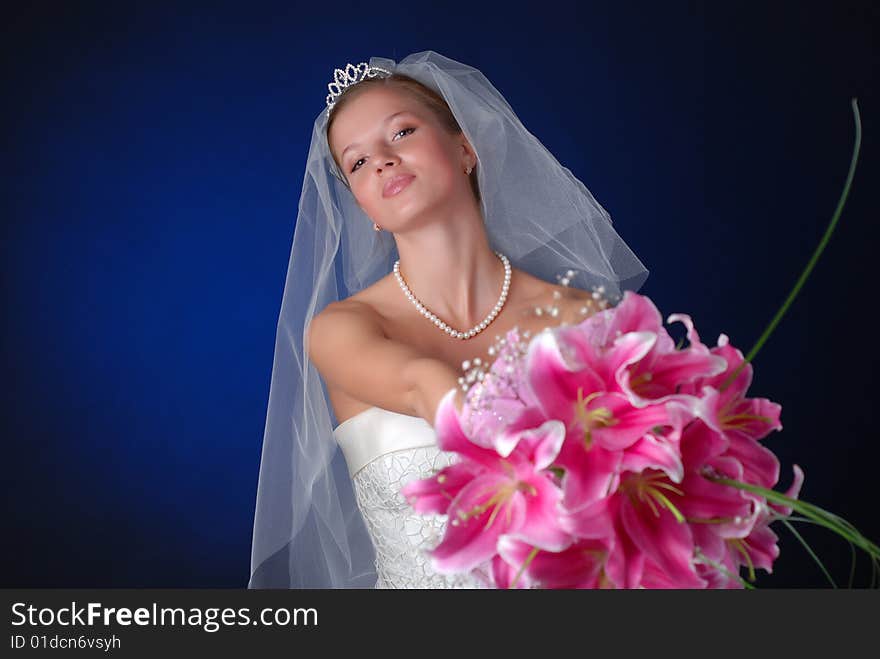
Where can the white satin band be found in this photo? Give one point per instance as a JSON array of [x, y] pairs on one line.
[[377, 431]]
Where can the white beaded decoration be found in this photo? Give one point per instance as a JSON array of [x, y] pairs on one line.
[[475, 371]]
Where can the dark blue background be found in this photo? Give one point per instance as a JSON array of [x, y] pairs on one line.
[[154, 159]]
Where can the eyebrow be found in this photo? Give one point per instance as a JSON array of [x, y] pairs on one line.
[[387, 119]]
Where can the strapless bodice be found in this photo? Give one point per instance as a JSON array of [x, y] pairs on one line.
[[376, 432], [384, 451]]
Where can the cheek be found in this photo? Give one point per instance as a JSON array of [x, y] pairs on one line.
[[361, 195], [437, 159], [440, 155]]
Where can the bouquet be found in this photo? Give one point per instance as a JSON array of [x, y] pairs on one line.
[[601, 454]]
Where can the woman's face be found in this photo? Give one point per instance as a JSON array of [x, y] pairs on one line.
[[386, 133]]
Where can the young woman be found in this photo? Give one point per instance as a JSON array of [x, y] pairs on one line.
[[431, 223]]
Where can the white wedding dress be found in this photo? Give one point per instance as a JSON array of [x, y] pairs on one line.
[[384, 451]]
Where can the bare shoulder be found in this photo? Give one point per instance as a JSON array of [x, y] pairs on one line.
[[332, 334], [362, 305], [349, 315], [360, 365]]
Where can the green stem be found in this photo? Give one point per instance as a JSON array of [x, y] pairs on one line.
[[852, 565], [813, 260], [818, 515], [809, 549], [777, 516]]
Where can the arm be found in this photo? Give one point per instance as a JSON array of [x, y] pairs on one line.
[[347, 345], [350, 350], [432, 379]]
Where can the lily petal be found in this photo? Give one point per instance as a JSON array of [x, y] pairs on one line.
[[541, 525], [435, 494], [668, 542], [652, 452], [471, 539], [451, 437]]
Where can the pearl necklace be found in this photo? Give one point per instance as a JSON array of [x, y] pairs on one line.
[[443, 326]]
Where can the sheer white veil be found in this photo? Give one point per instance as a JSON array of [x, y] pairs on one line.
[[308, 530]]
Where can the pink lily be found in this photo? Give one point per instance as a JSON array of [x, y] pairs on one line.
[[644, 525], [514, 495], [580, 565]]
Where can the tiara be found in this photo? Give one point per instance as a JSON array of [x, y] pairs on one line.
[[342, 79]]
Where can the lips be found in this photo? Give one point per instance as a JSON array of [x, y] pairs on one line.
[[396, 184]]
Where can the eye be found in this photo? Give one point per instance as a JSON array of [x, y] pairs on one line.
[[403, 130]]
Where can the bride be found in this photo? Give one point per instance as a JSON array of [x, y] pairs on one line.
[[452, 219]]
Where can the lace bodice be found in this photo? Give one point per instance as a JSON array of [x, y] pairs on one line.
[[384, 451]]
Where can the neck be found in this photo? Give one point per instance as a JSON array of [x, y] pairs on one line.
[[451, 269]]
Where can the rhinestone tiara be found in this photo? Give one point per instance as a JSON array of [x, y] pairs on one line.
[[351, 75]]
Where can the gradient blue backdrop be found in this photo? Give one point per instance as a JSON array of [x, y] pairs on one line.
[[154, 159]]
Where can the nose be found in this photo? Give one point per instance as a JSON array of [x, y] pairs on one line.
[[388, 160]]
